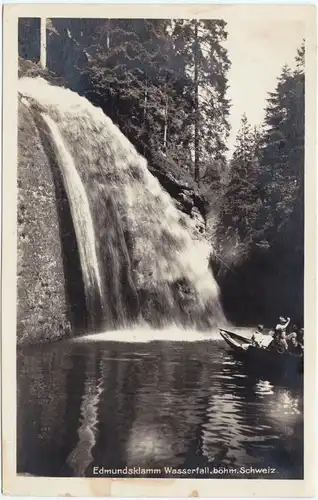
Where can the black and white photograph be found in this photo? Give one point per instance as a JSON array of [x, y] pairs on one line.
[[160, 313]]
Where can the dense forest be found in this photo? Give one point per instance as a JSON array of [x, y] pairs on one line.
[[164, 83], [261, 221]]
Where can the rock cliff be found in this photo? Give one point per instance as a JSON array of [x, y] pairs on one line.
[[42, 299]]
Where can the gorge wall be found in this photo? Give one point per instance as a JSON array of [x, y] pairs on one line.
[[42, 297]]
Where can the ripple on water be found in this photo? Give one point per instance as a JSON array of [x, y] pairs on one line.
[[180, 395]]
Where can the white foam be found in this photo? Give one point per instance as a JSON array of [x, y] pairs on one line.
[[146, 335]]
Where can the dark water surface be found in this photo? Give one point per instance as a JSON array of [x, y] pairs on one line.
[[159, 404]]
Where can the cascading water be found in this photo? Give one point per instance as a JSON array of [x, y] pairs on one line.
[[83, 222], [139, 254]]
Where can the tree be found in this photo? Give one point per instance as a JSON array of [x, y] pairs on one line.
[[200, 43], [43, 43], [239, 211], [29, 38], [261, 225], [264, 198], [283, 150], [131, 69], [162, 81]]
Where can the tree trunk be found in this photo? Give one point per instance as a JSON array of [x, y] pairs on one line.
[[108, 34], [43, 43], [165, 131], [196, 105], [145, 118], [145, 101]]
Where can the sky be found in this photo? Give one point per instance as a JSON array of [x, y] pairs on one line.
[[258, 50]]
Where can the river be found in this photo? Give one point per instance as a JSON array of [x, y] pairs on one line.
[[83, 406]]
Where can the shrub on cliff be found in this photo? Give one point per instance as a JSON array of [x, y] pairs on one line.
[[31, 69]]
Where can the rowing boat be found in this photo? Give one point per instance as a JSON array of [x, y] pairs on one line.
[[263, 357]]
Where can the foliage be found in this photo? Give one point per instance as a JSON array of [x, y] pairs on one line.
[[242, 199], [162, 81], [201, 45], [260, 232], [265, 190]]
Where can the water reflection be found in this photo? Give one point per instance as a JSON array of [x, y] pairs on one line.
[[154, 405], [81, 456]]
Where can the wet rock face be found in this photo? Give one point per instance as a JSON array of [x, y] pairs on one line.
[[42, 309], [181, 188]]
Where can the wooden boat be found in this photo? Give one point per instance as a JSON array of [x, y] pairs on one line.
[[263, 358], [235, 341]]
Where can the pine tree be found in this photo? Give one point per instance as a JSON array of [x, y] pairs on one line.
[[263, 205], [217, 106], [132, 69], [162, 81], [242, 198], [43, 43], [200, 43], [29, 38], [283, 151]]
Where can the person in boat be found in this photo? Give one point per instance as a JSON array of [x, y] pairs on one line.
[[282, 343], [297, 341], [280, 337], [257, 336], [292, 340], [259, 329], [300, 337], [295, 345], [282, 324], [293, 334]]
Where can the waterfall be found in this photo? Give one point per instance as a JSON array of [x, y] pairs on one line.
[[82, 220], [139, 254]]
